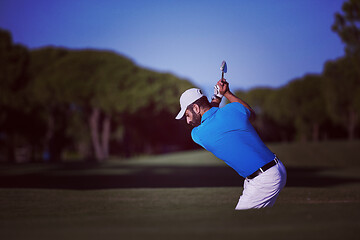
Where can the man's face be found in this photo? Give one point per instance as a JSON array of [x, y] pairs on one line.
[[193, 116]]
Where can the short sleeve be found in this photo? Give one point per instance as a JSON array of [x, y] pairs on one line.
[[238, 106], [195, 137]]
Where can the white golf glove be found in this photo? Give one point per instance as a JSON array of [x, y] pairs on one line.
[[217, 91]]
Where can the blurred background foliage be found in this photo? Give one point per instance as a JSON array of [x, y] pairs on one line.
[[58, 103], [87, 102], [316, 106]]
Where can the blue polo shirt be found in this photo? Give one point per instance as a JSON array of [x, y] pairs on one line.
[[229, 135]]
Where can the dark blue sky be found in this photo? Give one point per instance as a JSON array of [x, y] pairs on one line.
[[265, 42]]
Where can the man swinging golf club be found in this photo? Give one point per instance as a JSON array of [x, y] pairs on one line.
[[229, 135]]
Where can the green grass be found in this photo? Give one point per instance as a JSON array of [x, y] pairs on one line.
[[197, 213], [321, 154], [301, 212], [328, 154]]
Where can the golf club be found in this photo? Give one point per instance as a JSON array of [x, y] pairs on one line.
[[223, 69]]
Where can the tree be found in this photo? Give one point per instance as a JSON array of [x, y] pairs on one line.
[[266, 126], [343, 75], [307, 105], [93, 82], [346, 25], [279, 108], [100, 89], [53, 113], [13, 71], [16, 118], [152, 128], [342, 90]]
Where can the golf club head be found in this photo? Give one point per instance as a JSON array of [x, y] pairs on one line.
[[223, 67]]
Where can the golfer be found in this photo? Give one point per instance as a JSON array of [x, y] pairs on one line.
[[229, 135]]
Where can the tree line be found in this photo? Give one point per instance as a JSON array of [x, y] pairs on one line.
[[316, 106], [60, 103], [87, 102]]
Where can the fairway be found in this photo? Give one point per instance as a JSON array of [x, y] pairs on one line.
[[321, 200]]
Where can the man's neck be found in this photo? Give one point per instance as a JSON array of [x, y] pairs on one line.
[[204, 110]]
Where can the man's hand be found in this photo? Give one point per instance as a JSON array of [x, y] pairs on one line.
[[222, 86], [220, 89]]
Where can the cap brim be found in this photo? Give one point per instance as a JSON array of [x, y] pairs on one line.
[[180, 114]]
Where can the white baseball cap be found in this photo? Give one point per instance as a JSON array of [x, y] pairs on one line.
[[187, 98]]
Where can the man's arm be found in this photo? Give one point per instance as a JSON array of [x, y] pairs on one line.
[[232, 98], [217, 97], [215, 102], [224, 90]]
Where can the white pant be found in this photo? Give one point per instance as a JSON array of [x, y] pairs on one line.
[[263, 190]]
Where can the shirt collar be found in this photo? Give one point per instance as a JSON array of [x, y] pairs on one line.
[[208, 113]]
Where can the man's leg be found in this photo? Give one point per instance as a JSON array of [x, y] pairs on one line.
[[263, 190]]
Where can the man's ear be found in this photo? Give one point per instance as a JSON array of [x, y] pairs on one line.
[[196, 108]]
